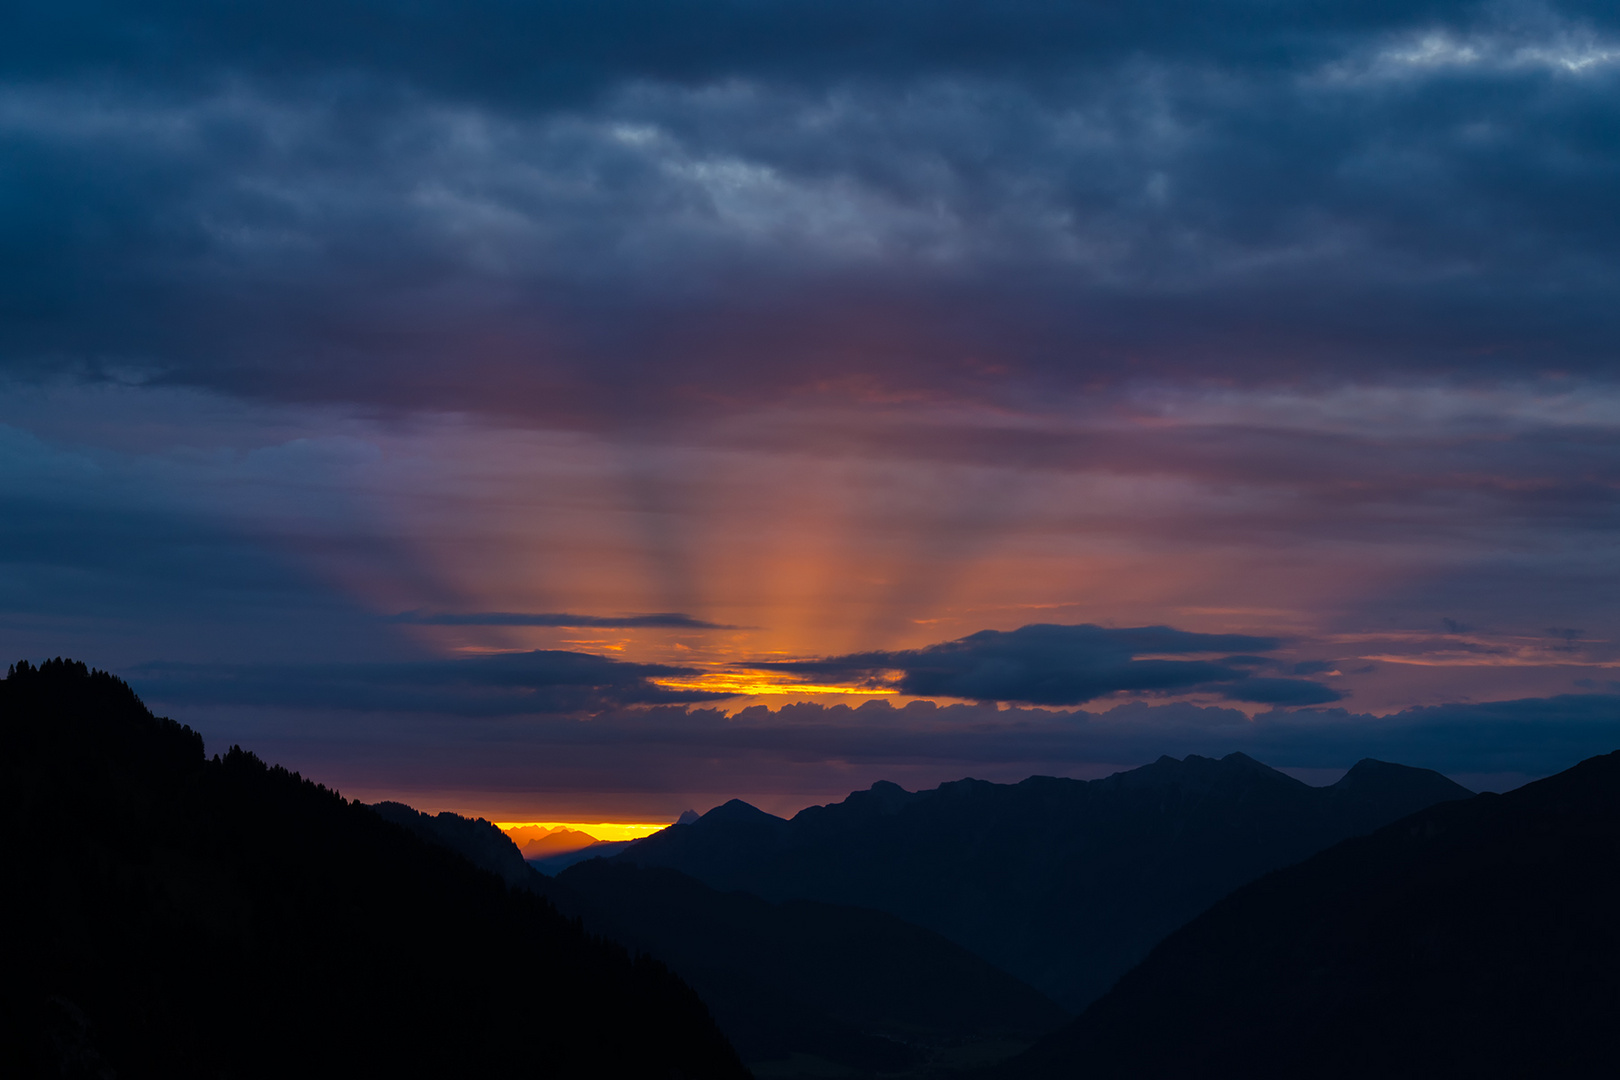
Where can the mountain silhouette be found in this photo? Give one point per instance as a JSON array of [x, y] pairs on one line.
[[1064, 883], [176, 916], [557, 842], [478, 841], [810, 989], [800, 988], [553, 863], [1472, 939]]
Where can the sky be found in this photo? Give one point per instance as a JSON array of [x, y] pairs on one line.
[[586, 411]]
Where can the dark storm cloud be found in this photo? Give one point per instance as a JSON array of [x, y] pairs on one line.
[[544, 52], [507, 684], [595, 213], [670, 620], [1046, 664], [640, 218]]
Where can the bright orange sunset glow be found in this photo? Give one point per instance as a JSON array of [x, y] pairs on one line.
[[764, 684], [600, 830]]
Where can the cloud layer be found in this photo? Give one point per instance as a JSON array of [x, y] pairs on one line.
[[668, 620], [665, 759], [1046, 664], [540, 682], [550, 214], [832, 329]]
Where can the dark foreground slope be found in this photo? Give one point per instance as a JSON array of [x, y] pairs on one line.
[[1474, 939], [1063, 883], [809, 989], [800, 988], [176, 916]]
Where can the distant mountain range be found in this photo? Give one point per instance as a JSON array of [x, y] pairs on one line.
[[536, 842], [804, 986], [183, 916], [553, 864], [801, 989], [1474, 939], [1065, 884], [176, 916]]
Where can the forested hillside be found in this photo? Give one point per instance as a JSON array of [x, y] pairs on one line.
[[175, 915]]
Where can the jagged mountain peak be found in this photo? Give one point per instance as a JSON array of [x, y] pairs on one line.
[[1062, 882], [736, 810], [1371, 772], [1471, 938], [1198, 773]]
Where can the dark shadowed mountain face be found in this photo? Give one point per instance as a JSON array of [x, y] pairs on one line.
[[556, 864], [175, 916], [1473, 939], [476, 840], [808, 989], [801, 989], [1064, 883]]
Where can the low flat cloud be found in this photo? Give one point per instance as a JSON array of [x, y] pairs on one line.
[[1281, 692], [672, 620], [1050, 664], [663, 759], [542, 681]]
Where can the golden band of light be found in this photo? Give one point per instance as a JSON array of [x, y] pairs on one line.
[[601, 830], [759, 684]]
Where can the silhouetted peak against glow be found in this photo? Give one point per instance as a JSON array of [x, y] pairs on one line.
[[1065, 883], [1369, 774], [887, 796], [737, 811]]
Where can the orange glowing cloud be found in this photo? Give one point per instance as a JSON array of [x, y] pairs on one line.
[[797, 531]]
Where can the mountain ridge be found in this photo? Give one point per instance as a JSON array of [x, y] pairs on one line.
[[800, 988], [810, 989], [1064, 883], [192, 917], [1472, 938]]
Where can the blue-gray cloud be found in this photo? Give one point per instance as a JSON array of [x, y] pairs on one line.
[[809, 752], [93, 547], [668, 620], [572, 211], [506, 684], [629, 217], [1047, 664], [1280, 692], [1527, 736]]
